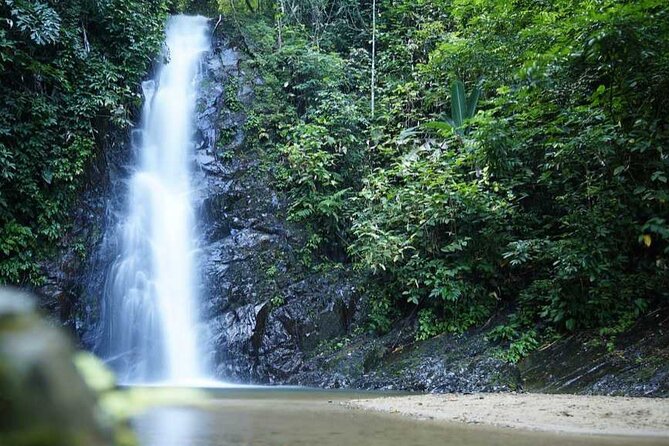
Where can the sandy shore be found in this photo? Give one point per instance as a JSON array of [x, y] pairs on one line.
[[550, 413]]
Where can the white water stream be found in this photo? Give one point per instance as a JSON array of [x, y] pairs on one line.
[[150, 309]]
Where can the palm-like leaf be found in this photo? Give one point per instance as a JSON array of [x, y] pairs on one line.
[[462, 109], [458, 103], [472, 102]]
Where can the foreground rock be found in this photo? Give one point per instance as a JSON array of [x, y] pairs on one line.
[[43, 399], [552, 413]]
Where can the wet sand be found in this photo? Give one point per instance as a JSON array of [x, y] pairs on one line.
[[574, 414]]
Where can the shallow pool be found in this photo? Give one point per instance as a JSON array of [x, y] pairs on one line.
[[290, 416]]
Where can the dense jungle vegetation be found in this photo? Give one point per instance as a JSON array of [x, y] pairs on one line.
[[463, 155], [69, 69], [514, 154]]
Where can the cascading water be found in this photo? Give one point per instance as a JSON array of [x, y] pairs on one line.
[[150, 312]]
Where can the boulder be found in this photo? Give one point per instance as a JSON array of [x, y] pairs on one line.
[[43, 398]]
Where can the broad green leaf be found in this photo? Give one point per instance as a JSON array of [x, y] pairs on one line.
[[472, 102], [458, 103]]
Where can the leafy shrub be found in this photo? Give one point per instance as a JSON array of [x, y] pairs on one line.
[[551, 195], [69, 69]]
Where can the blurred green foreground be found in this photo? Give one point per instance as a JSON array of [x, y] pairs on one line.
[[52, 395]]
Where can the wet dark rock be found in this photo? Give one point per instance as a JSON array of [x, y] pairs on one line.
[[230, 58], [263, 343], [265, 310], [447, 363], [636, 364]]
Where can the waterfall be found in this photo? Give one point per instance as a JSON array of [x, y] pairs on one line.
[[149, 313]]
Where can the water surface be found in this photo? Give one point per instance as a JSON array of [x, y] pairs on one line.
[[283, 417]]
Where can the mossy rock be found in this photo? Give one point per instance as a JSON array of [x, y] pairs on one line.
[[43, 399]]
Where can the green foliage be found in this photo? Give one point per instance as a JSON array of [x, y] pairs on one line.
[[330, 346], [277, 301], [553, 197], [69, 69], [520, 347], [381, 314], [311, 128], [231, 100], [463, 108], [37, 20], [548, 194]]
